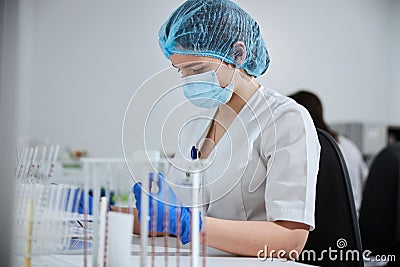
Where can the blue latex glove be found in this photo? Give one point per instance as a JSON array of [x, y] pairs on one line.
[[166, 199], [82, 200], [79, 207]]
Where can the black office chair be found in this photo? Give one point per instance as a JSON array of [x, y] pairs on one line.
[[336, 224], [380, 208]]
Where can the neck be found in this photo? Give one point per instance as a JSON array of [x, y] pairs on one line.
[[245, 87]]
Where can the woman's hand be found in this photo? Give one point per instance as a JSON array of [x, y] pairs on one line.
[[166, 203]]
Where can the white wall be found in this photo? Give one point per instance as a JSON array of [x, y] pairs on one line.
[[24, 69], [90, 56], [339, 49], [395, 63]]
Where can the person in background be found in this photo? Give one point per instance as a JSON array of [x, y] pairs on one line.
[[356, 166]]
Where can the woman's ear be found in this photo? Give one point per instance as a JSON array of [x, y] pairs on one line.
[[239, 52]]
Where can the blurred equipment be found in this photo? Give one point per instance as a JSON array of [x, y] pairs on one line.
[[91, 215], [370, 138], [64, 215], [47, 214]]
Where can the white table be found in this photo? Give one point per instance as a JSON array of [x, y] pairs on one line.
[[77, 261], [215, 258]]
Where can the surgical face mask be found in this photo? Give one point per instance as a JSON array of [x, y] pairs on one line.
[[204, 91]]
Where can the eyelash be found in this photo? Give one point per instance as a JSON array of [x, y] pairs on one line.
[[193, 71]]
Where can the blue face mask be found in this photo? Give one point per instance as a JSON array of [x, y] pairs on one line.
[[204, 91]]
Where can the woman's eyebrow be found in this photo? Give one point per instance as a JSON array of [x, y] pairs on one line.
[[189, 65]]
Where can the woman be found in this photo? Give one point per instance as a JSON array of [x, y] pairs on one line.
[[358, 170], [264, 146]]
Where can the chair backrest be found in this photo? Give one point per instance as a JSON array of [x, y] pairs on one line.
[[336, 225], [380, 208]]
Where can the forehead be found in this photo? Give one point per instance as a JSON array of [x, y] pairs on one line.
[[178, 60]]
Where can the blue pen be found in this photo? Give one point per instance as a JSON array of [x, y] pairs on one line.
[[193, 156], [193, 153]]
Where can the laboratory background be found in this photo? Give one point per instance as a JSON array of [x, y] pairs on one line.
[[70, 68]]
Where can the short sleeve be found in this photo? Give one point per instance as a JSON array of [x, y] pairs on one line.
[[292, 167]]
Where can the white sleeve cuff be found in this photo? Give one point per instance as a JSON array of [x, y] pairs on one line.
[[293, 215]]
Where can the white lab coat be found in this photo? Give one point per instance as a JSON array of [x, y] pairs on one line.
[[265, 166], [358, 170]]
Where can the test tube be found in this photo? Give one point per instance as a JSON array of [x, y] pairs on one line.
[[153, 220], [27, 166], [41, 162], [178, 233], [95, 185], [21, 163], [47, 163], [204, 226], [166, 228], [28, 246], [53, 160], [144, 231], [197, 182], [85, 213], [33, 164], [195, 236], [103, 231]]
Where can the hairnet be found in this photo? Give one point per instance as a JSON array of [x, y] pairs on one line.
[[211, 28]]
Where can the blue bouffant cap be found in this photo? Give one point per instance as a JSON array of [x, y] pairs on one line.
[[213, 28]]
